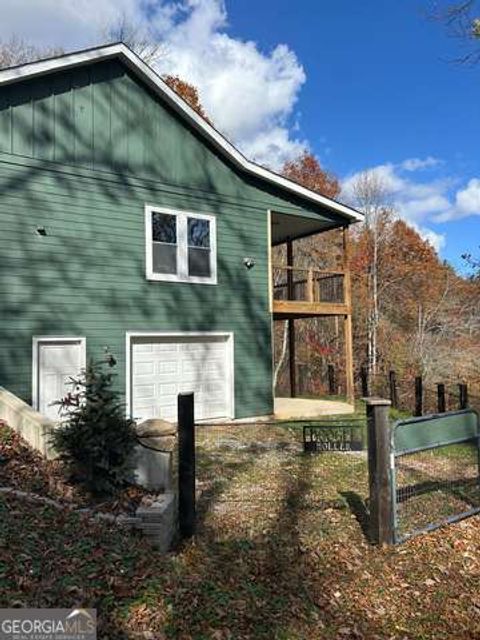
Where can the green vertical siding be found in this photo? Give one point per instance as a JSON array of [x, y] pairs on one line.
[[80, 154]]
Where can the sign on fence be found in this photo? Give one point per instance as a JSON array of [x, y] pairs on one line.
[[345, 434]]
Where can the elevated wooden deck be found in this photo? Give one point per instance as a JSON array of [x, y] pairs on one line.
[[300, 292]]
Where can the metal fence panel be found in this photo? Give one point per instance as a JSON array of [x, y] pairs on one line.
[[436, 471]]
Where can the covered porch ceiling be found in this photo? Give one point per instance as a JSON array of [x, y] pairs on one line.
[[287, 226]]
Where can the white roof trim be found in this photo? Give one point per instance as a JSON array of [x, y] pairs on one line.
[[154, 81]]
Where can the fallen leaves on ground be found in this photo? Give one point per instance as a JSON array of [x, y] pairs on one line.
[[25, 469], [279, 554]]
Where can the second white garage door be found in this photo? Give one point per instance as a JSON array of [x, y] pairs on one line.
[[164, 366]]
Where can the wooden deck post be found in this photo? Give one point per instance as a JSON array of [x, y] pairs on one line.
[[347, 321], [332, 387], [463, 396], [364, 381], [418, 396], [441, 404], [310, 286], [392, 378], [380, 471], [290, 289], [291, 323]]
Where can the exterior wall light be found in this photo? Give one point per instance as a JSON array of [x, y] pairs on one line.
[[41, 231], [249, 263]]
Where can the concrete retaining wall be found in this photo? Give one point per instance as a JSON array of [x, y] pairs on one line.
[[35, 428]]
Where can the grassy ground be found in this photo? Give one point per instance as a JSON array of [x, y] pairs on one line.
[[280, 554]]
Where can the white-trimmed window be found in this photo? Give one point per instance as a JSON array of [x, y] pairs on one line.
[[180, 246]]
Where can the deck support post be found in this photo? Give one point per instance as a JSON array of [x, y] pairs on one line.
[[347, 323], [291, 324]]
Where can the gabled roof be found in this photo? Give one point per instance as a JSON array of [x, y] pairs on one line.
[[146, 74]]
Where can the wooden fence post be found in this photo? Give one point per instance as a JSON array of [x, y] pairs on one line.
[[186, 465], [380, 471], [392, 378], [441, 404], [331, 380], [463, 396], [364, 381], [302, 377], [418, 396]]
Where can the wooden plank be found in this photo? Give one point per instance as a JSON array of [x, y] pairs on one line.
[[43, 122], [64, 125], [22, 121], [119, 120], [102, 96], [326, 272], [299, 308], [83, 117]]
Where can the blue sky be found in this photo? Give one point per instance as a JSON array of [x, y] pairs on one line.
[[364, 85], [380, 88]]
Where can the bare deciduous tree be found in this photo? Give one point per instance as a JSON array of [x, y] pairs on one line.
[[16, 51], [137, 38], [462, 22], [371, 197]]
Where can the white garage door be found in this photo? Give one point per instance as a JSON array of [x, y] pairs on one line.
[[164, 366]]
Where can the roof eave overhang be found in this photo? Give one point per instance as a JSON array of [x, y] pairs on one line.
[[157, 85]]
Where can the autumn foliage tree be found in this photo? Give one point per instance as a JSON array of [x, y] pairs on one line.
[[307, 171], [188, 93]]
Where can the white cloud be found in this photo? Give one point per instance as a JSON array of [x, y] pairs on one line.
[[66, 23], [467, 203], [422, 202], [250, 94], [415, 164]]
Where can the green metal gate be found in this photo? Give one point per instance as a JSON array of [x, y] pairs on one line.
[[435, 476]]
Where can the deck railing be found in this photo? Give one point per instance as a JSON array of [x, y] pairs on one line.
[[303, 284]]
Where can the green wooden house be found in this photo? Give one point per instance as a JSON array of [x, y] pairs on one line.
[[129, 224]]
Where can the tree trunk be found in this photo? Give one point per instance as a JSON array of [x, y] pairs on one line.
[[283, 353]]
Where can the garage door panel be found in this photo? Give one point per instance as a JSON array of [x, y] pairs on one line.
[[145, 391], [140, 367], [167, 366]]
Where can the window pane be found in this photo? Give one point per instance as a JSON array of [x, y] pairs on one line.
[[164, 227], [164, 258], [198, 233], [199, 262]]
